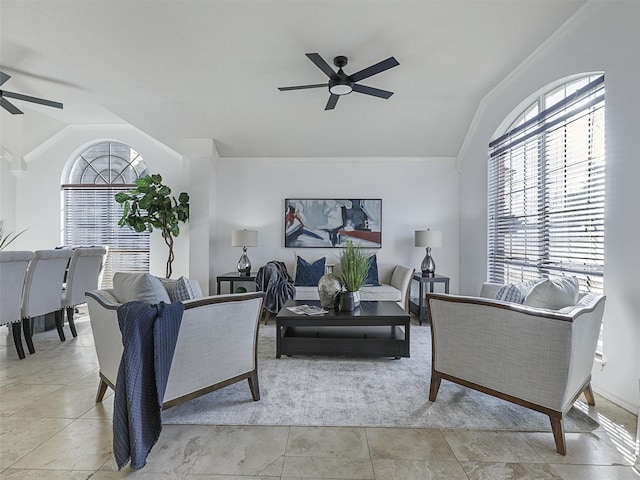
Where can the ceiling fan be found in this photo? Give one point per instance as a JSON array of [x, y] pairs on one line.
[[11, 108], [342, 84]]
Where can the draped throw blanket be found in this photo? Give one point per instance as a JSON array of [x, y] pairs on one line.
[[149, 334], [273, 279]]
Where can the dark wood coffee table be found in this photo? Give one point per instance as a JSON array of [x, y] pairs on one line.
[[371, 329]]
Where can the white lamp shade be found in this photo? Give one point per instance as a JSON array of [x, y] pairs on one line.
[[428, 238], [244, 238]]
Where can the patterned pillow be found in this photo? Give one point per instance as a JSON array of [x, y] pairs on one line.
[[179, 290], [514, 292], [308, 274]]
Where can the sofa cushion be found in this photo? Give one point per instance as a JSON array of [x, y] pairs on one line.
[[308, 274], [372, 273], [553, 294], [180, 289], [143, 287]]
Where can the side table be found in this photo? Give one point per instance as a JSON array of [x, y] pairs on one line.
[[232, 278], [422, 308]]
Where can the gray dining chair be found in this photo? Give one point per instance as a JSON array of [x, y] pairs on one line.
[[43, 289], [13, 270], [83, 275]]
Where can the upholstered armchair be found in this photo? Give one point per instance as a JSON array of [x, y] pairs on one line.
[[216, 345], [13, 270], [535, 357]]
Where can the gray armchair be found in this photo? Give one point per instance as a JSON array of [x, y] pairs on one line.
[[538, 358], [216, 346]]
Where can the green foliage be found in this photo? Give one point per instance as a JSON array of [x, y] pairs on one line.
[[354, 265], [149, 205], [7, 237]]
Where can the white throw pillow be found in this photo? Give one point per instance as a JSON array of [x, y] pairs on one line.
[[553, 294], [139, 286]]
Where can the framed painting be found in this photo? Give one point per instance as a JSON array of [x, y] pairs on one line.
[[328, 223]]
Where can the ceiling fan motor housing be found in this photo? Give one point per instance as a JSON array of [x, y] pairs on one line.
[[340, 83]]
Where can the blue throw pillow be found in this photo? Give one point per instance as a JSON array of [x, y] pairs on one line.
[[308, 274], [372, 274]]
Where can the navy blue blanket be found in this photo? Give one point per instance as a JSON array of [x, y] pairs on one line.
[[149, 334], [273, 279]]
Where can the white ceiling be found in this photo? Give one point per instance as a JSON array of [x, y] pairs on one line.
[[182, 69]]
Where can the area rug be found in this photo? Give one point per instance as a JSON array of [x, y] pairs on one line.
[[360, 391]]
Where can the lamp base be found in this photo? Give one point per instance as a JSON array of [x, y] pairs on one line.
[[244, 264], [428, 266]]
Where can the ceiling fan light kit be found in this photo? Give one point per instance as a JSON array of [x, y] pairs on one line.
[[341, 84], [11, 108]]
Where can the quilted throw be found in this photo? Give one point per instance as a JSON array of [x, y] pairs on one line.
[[149, 334], [273, 279]]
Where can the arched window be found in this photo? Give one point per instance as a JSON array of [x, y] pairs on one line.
[[546, 189], [90, 213]]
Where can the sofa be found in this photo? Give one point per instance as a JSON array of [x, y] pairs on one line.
[[533, 350], [393, 281], [216, 344]]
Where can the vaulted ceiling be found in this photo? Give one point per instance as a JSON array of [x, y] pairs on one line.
[[181, 69]]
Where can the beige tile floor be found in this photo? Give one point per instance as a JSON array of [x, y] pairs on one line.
[[51, 429]]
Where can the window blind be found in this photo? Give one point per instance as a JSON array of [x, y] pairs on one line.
[[91, 218], [546, 192]]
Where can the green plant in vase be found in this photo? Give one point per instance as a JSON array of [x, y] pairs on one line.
[[149, 205], [354, 266]]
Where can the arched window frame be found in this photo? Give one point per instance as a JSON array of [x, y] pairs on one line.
[[90, 213], [546, 188]]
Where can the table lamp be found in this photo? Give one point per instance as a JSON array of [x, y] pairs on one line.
[[428, 239], [244, 238]]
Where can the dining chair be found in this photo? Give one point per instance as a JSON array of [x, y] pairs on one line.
[[43, 289], [83, 275], [13, 270]]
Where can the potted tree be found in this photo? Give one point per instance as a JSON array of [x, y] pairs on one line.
[[149, 205], [354, 266]]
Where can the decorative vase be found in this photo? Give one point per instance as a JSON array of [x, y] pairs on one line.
[[349, 301], [328, 288]]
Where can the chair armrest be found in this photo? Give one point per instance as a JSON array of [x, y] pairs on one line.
[[401, 279]]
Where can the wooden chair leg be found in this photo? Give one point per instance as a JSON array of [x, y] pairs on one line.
[[102, 389], [59, 316], [72, 325], [28, 334], [254, 386], [435, 386], [16, 331], [558, 434], [588, 393]]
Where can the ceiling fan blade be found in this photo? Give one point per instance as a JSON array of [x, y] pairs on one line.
[[321, 64], [302, 87], [376, 92], [375, 69], [27, 98], [9, 107], [331, 104], [4, 77]]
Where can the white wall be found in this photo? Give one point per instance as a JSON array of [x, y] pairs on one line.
[[37, 192], [416, 193], [603, 36]]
